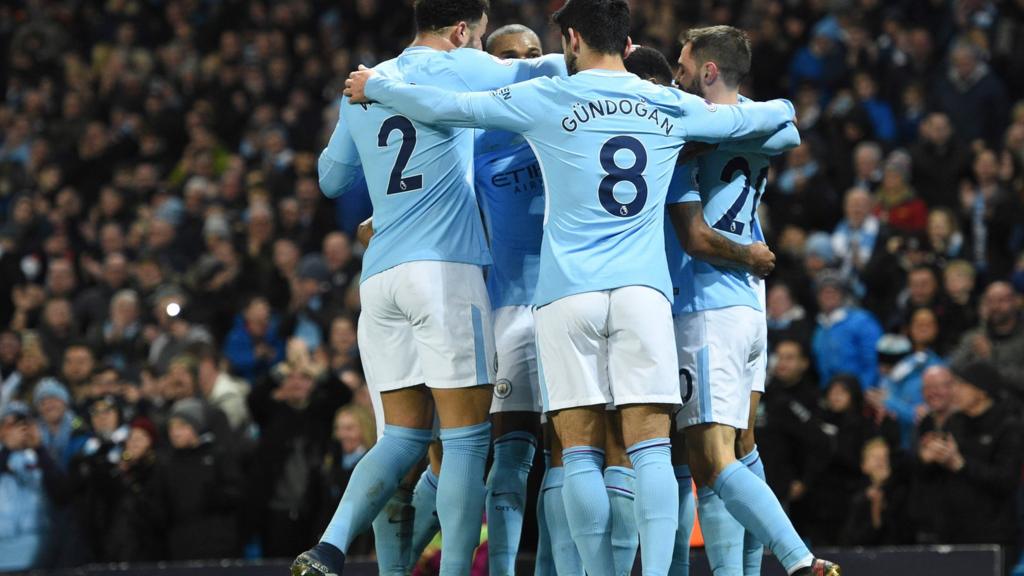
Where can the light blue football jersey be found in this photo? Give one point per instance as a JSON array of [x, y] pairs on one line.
[[420, 177], [510, 189], [729, 183], [607, 143]]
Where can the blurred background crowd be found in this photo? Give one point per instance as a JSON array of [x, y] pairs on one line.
[[179, 372]]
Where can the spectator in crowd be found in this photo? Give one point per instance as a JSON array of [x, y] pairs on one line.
[[254, 345], [922, 291], [898, 206], [91, 308], [867, 166], [221, 390], [999, 339], [804, 197], [76, 370], [294, 407], [118, 339], [308, 316], [175, 333], [940, 161], [30, 368], [342, 268], [63, 435], [342, 351], [57, 329], [787, 319], [854, 238], [958, 283], [823, 505], [10, 349], [354, 434], [900, 389], [92, 473], [883, 121], [844, 340], [967, 474], [877, 513], [129, 535], [30, 485], [972, 96], [945, 241], [790, 434], [991, 213], [196, 490]]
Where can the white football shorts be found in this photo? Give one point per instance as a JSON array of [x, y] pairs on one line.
[[721, 357], [607, 347]]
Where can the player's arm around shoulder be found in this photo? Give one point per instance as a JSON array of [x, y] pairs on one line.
[[703, 243]]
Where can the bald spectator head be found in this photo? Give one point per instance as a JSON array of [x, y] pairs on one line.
[[937, 388]]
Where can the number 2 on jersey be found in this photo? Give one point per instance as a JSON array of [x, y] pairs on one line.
[[728, 223], [397, 183], [615, 174]]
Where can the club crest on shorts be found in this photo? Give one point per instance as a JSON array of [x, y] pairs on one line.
[[503, 388]]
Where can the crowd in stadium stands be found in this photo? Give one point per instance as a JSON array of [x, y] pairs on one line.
[[179, 362]]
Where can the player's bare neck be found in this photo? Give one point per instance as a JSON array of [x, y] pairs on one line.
[[434, 41], [596, 61], [718, 93]]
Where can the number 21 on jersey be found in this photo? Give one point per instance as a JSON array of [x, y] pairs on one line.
[[728, 222]]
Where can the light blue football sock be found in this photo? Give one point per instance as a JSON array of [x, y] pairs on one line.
[[687, 514], [657, 503], [621, 485], [563, 548], [752, 502], [392, 533], [425, 524], [753, 550], [460, 494], [545, 562], [373, 482], [723, 534], [588, 509], [506, 499]]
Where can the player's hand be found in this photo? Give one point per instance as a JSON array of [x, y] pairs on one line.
[[762, 259], [365, 232], [355, 86]]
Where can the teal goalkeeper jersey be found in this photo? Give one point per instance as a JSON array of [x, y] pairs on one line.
[[607, 143], [420, 177]]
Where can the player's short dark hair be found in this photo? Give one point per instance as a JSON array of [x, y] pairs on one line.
[[727, 47], [506, 30], [437, 14], [648, 63], [603, 24]]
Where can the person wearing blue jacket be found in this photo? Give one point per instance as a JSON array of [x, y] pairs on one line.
[[253, 345], [903, 363], [845, 338], [29, 484]]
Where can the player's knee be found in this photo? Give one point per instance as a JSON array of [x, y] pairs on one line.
[[645, 421], [584, 426], [457, 408]]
